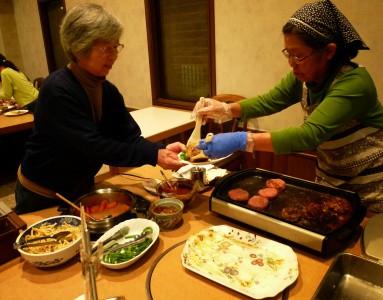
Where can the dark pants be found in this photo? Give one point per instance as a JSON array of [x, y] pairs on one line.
[[28, 201]]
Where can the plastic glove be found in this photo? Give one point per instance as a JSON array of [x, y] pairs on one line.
[[213, 109], [224, 144]]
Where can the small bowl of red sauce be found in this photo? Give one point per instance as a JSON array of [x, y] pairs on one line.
[[167, 212], [181, 189]]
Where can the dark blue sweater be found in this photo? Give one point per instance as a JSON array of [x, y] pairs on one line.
[[67, 148]]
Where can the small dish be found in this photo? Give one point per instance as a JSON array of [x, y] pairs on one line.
[[150, 185], [167, 212], [136, 226], [17, 112], [181, 188], [6, 107]]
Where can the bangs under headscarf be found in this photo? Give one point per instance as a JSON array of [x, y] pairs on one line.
[[325, 22]]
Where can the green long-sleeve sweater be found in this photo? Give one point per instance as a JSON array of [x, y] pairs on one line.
[[352, 97], [16, 84]]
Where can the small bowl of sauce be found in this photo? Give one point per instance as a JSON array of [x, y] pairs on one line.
[[181, 189]]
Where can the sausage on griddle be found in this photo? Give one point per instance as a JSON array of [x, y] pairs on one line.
[[238, 194]]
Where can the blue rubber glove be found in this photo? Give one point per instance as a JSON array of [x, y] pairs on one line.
[[224, 144]]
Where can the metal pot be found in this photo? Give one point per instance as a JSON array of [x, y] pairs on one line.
[[109, 194]]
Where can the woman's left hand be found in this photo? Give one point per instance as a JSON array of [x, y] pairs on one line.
[[224, 144]]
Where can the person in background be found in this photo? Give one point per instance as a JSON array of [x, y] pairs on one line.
[[17, 86], [343, 118], [81, 121]]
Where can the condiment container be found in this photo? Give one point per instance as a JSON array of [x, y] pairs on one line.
[[197, 173], [167, 212]]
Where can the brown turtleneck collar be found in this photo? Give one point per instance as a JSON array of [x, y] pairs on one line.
[[92, 86]]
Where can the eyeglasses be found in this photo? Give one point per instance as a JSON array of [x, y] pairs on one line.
[[110, 49], [297, 60]]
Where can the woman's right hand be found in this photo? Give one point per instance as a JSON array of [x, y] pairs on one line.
[[213, 109], [168, 159]]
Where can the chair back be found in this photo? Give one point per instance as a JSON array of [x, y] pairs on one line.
[[38, 82], [235, 161], [227, 98]]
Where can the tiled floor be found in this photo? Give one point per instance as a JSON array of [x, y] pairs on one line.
[[7, 190]]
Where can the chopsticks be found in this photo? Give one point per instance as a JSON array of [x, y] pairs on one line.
[[74, 206]]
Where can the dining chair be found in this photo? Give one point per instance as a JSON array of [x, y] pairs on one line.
[[217, 127], [38, 82], [234, 161]]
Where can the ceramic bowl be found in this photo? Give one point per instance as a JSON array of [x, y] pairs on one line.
[[52, 258], [136, 226], [167, 212], [181, 189]]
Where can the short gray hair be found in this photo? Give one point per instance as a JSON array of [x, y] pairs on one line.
[[86, 23]]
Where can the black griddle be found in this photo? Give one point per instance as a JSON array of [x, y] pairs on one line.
[[313, 236]]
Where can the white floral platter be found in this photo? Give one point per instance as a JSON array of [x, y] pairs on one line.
[[249, 264]]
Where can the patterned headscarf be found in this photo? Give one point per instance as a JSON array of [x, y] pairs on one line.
[[324, 21]]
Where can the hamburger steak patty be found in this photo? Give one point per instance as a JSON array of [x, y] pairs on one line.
[[238, 194], [268, 192], [277, 183], [258, 202]]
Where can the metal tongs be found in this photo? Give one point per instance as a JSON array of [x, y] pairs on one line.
[[137, 240], [56, 238]]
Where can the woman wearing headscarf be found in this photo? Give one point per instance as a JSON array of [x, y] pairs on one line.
[[81, 121], [16, 86], [343, 118]]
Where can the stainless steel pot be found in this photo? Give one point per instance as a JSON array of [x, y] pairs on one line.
[[109, 194]]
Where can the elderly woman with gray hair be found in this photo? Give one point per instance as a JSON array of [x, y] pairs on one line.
[[81, 121], [342, 116]]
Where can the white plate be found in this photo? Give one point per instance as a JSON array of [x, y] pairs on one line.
[[150, 185], [208, 162], [16, 112], [249, 264], [135, 227]]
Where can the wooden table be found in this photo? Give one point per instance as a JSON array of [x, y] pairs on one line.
[[169, 279], [15, 123], [159, 123], [156, 124]]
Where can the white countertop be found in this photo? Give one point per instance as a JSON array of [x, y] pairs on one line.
[[156, 122]]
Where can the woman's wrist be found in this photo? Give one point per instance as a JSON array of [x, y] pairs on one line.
[[250, 143]]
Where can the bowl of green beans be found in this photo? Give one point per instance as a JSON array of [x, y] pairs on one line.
[[124, 256]]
